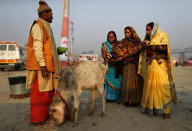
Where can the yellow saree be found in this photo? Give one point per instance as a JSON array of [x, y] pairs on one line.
[[158, 91]]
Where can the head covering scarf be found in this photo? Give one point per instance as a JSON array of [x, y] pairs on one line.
[[134, 34], [154, 30], [121, 48], [43, 6]]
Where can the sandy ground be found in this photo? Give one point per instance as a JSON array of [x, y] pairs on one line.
[[15, 113]]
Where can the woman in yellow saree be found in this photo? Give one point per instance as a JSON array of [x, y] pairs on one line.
[[156, 69]]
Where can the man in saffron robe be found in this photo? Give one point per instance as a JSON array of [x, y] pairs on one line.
[[42, 64]]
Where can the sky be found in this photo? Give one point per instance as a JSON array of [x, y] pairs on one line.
[[93, 19]]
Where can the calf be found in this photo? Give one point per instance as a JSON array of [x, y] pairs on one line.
[[87, 75]]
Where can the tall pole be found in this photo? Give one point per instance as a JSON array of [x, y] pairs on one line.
[[71, 52], [65, 32]]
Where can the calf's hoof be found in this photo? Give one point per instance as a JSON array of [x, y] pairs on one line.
[[102, 114], [58, 123], [90, 113], [75, 124], [166, 116], [72, 118]]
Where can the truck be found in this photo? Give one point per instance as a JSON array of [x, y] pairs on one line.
[[12, 55]]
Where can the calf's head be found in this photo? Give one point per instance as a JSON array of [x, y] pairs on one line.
[[57, 111]]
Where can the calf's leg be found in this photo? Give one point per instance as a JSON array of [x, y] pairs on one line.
[[72, 108], [102, 92], [76, 108], [94, 98]]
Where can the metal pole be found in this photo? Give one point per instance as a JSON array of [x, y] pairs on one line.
[[71, 53], [72, 29]]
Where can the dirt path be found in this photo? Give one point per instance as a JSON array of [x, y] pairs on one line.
[[15, 113]]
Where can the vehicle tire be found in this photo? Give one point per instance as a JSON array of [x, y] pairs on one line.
[[23, 66], [17, 66]]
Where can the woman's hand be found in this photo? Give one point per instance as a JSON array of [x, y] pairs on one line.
[[146, 43], [118, 58]]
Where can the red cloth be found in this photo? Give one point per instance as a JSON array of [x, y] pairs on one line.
[[40, 102]]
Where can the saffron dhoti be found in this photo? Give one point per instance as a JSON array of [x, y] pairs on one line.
[[40, 102]]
